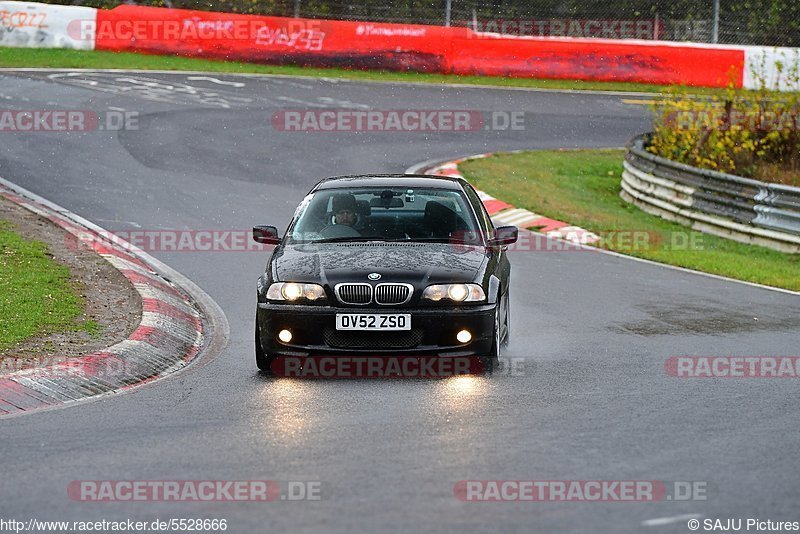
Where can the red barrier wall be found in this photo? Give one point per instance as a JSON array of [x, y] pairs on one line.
[[275, 40], [596, 59], [363, 45]]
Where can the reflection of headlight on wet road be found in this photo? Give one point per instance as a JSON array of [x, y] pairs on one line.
[[290, 421], [463, 391], [462, 384]]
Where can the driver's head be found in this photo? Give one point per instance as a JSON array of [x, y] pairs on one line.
[[344, 209]]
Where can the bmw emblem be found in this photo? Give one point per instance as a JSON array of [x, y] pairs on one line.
[[374, 276]]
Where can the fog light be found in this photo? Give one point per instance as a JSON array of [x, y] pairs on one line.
[[285, 336], [464, 336]]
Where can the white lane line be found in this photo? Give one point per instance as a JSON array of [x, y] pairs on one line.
[[659, 521], [333, 102], [145, 82], [214, 80], [301, 102], [323, 102], [293, 84], [134, 224], [71, 74]]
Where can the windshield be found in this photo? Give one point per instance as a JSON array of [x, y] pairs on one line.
[[385, 214]]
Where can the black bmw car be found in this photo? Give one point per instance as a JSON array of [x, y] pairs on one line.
[[385, 265]]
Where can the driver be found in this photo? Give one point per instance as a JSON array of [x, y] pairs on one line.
[[344, 209]]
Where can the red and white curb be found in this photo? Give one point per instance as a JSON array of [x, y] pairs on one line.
[[504, 214], [170, 335]]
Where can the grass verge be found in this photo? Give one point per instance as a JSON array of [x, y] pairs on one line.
[[58, 58], [38, 296], [582, 187]]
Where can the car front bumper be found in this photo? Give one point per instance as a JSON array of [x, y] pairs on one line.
[[433, 331]]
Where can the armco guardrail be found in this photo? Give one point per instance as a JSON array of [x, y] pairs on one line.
[[722, 204], [404, 47]]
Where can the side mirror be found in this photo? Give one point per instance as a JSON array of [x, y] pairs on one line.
[[505, 235], [268, 235]]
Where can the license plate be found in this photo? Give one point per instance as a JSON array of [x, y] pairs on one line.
[[373, 321]]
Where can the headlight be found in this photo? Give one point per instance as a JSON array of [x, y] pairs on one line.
[[292, 291], [454, 292]]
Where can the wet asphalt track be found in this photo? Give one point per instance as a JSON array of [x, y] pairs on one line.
[[593, 402]]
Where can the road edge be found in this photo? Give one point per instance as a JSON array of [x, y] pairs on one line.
[[180, 325], [337, 79]]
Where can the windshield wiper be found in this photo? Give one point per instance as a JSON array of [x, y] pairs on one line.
[[335, 240], [445, 240]]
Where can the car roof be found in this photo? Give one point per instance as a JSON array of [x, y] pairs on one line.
[[392, 180]]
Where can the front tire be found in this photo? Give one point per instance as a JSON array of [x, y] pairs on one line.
[[492, 360], [507, 322], [263, 361]]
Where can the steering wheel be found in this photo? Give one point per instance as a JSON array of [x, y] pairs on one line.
[[338, 230]]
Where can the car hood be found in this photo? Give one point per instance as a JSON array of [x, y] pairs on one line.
[[415, 263]]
